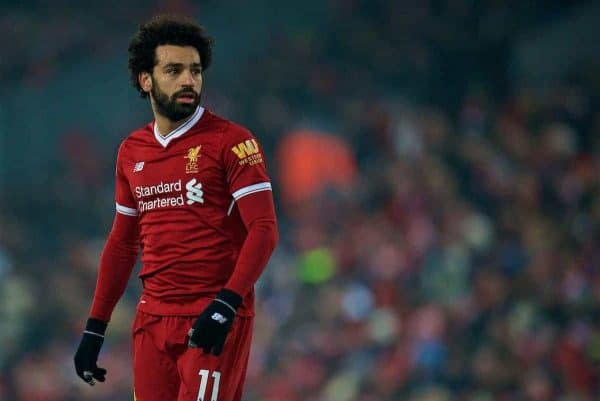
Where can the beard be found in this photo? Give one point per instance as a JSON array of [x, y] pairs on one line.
[[170, 107]]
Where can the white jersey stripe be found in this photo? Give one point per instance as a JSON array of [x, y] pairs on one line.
[[230, 207], [250, 189], [126, 210]]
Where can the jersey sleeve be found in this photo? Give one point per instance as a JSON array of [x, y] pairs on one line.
[[124, 200], [244, 163]]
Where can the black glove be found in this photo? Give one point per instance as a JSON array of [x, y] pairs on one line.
[[211, 328], [88, 350]]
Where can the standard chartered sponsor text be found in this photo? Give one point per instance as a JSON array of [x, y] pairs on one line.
[[160, 202], [161, 188]]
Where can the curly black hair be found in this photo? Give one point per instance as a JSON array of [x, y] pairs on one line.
[[165, 30]]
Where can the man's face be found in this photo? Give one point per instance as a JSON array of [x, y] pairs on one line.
[[176, 81]]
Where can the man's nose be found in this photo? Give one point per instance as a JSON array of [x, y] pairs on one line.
[[188, 78]]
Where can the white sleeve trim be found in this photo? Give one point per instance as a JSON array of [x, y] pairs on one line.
[[126, 210], [92, 333], [250, 189]]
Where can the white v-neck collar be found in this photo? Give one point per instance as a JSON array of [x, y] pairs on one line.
[[179, 131]]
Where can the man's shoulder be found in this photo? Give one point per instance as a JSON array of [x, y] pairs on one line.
[[141, 135], [228, 128]]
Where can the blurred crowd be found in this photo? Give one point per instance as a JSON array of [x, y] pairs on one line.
[[448, 247]]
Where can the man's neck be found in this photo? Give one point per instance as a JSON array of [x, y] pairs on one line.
[[165, 126]]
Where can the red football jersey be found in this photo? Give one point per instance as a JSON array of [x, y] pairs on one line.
[[183, 188]]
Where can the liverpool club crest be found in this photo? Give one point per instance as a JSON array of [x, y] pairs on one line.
[[193, 155]]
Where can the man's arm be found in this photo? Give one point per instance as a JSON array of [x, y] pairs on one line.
[[116, 264], [258, 214], [122, 245]]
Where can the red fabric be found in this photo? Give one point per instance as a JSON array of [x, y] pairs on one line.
[[116, 264], [166, 369], [258, 214], [197, 233]]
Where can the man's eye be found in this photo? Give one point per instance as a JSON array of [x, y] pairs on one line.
[[171, 71], [196, 71]]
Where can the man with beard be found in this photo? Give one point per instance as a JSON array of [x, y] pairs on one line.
[[193, 191]]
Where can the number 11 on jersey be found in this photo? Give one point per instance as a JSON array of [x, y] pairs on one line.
[[204, 381]]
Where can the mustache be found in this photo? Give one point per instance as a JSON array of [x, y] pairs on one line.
[[186, 92]]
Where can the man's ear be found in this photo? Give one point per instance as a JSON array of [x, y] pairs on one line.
[[145, 81]]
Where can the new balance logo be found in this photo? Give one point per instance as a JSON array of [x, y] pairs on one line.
[[139, 166], [194, 192], [246, 148], [218, 317]]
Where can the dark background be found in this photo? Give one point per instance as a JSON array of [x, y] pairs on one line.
[[436, 172]]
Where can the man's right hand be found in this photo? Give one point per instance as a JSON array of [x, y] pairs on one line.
[[87, 353]]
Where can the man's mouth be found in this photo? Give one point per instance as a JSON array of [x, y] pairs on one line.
[[186, 98]]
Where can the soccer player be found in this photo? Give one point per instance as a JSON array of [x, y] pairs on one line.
[[193, 191]]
